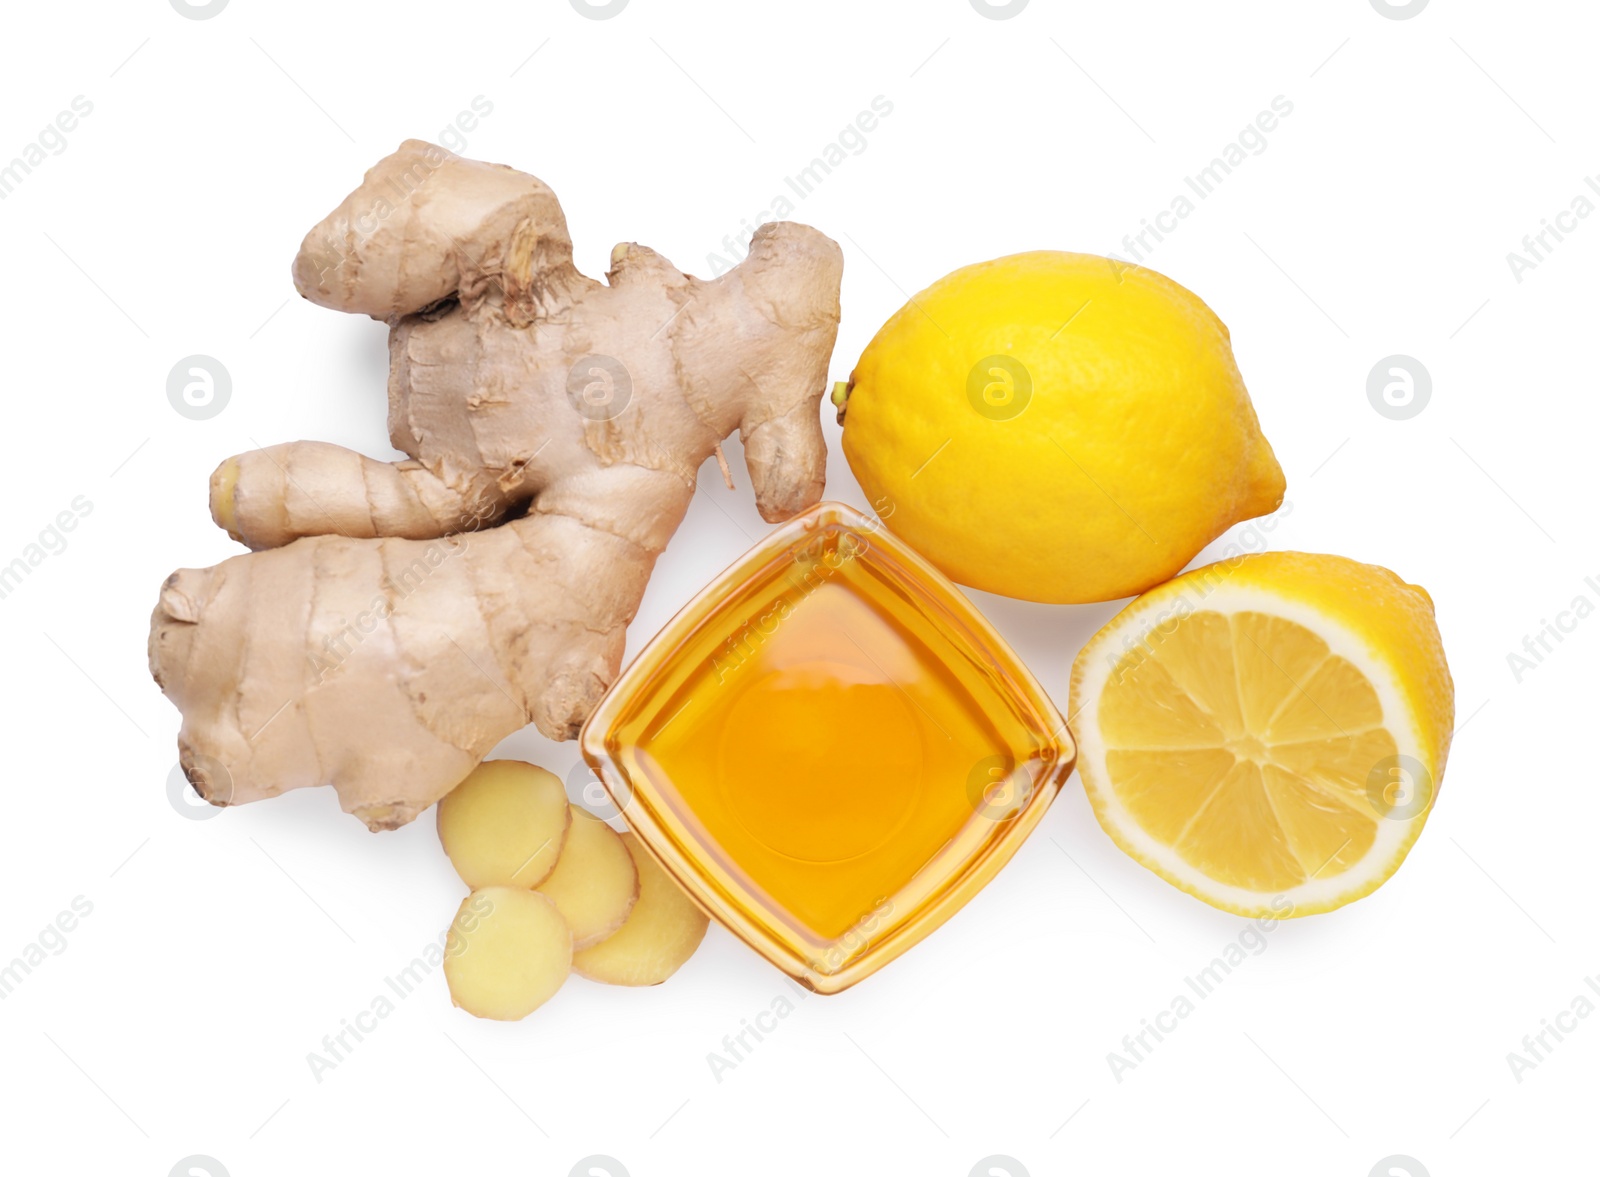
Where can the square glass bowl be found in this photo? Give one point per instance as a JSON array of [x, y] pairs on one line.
[[829, 748]]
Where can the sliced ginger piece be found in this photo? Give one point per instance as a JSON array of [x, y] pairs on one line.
[[508, 952], [661, 932], [505, 825], [594, 884]]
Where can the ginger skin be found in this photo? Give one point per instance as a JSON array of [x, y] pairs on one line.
[[397, 620]]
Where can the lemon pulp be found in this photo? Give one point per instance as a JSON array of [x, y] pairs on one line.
[[1246, 744]]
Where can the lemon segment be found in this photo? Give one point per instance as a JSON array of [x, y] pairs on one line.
[[1268, 733]]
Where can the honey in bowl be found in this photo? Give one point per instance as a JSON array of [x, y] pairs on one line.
[[829, 748]]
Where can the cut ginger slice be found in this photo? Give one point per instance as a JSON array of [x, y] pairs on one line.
[[595, 883], [507, 952], [1268, 733], [504, 826], [661, 932]]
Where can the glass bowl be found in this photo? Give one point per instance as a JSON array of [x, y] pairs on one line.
[[829, 748]]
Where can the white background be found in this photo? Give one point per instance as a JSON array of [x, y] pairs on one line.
[[179, 1015]]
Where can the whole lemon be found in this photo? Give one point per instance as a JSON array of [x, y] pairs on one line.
[[1058, 427]]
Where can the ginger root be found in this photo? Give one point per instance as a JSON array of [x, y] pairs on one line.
[[397, 620]]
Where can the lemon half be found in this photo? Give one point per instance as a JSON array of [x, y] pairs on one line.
[[1268, 733]]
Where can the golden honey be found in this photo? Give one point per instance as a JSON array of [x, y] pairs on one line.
[[829, 748]]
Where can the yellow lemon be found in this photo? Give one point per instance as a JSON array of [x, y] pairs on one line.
[[1267, 733], [1057, 426]]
